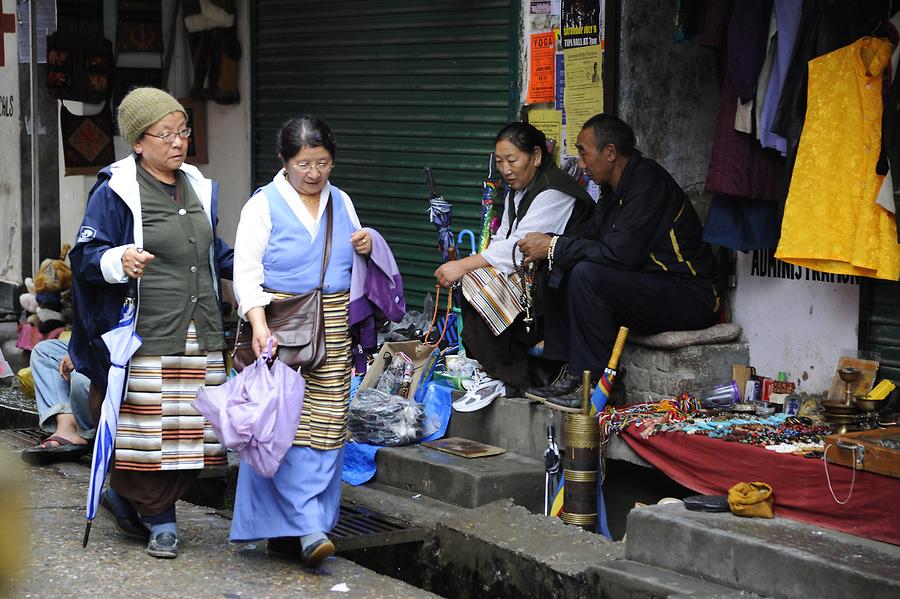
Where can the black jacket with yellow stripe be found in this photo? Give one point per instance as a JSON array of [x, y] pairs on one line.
[[647, 224]]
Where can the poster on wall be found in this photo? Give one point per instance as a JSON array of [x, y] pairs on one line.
[[583, 97], [580, 23], [549, 122], [542, 77]]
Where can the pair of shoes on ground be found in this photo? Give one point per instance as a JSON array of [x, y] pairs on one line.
[[480, 392], [45, 453], [565, 393], [563, 386], [162, 545]]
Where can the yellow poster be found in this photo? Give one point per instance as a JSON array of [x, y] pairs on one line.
[[583, 97], [549, 122]]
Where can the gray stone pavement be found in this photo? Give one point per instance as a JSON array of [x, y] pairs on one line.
[[56, 566]]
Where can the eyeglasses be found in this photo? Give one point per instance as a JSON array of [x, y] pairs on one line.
[[170, 137], [305, 167]]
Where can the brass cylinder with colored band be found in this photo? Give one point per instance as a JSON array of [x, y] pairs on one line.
[[580, 465]]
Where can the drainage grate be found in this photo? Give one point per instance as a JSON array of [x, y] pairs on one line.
[[24, 437], [357, 528], [362, 528]]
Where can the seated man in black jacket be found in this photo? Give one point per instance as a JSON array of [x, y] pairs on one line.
[[640, 262]]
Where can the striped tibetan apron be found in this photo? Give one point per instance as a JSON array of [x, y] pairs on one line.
[[158, 429], [323, 420]]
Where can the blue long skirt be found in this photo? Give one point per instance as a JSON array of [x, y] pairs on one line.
[[303, 497]]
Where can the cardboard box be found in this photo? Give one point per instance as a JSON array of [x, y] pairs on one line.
[[417, 351]]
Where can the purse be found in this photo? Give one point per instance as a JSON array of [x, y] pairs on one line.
[[297, 323]]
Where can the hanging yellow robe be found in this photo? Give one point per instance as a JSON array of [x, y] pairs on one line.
[[831, 221]]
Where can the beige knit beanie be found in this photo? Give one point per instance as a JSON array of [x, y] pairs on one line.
[[142, 107]]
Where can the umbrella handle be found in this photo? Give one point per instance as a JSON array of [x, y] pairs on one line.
[[268, 353], [471, 235]]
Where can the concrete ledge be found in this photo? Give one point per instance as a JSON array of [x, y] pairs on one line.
[[462, 481], [501, 550], [623, 578], [516, 424], [776, 558], [654, 374]]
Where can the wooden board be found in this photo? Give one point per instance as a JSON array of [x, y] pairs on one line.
[[876, 456], [465, 448], [863, 385]]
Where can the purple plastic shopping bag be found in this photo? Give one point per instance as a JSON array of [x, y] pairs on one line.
[[256, 412]]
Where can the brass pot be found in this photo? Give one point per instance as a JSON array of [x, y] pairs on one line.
[[868, 405]]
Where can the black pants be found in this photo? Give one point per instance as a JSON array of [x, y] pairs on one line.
[[583, 316]]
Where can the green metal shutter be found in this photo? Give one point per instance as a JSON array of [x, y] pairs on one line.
[[404, 85], [879, 324]]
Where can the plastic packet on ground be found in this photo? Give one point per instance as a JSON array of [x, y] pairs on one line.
[[378, 418]]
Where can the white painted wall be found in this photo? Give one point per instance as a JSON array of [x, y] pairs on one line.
[[228, 133], [10, 167], [798, 325]]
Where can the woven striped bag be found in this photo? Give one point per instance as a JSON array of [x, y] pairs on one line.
[[497, 297]]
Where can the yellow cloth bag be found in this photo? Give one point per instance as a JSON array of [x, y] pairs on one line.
[[751, 499], [26, 381]]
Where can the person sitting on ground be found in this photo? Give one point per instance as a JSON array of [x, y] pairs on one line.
[[61, 395], [541, 197], [640, 262]]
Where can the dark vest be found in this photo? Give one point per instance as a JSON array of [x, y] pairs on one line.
[[551, 176]]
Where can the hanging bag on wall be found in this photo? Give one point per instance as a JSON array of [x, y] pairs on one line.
[[297, 323]]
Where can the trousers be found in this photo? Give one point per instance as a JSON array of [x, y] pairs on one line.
[[583, 316], [53, 394]]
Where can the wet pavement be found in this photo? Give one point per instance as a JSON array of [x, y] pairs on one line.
[[56, 565]]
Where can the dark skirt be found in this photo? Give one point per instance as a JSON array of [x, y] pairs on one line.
[[504, 356]]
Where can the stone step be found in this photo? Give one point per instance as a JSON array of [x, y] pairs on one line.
[[465, 482], [624, 578], [771, 557], [516, 424]]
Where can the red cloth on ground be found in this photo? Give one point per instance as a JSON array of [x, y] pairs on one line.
[[712, 466]]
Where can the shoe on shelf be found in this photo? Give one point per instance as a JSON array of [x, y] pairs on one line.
[[569, 402], [481, 392], [314, 554], [563, 384], [164, 545]]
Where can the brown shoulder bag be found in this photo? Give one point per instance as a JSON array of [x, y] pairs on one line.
[[297, 323]]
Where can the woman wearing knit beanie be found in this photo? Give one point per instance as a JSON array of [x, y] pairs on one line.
[[152, 218]]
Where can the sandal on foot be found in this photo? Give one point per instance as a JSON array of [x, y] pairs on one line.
[[63, 451]]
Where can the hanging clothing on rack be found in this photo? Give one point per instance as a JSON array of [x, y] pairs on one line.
[[825, 26], [787, 22], [831, 221]]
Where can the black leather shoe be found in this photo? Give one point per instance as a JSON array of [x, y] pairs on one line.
[[569, 402], [313, 555], [130, 525], [560, 386]]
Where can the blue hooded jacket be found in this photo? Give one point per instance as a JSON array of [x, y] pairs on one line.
[[112, 224]]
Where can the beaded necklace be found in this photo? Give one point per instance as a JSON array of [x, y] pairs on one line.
[[526, 280]]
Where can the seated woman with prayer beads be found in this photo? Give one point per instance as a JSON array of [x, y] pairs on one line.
[[539, 197]]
